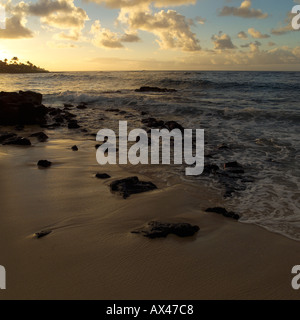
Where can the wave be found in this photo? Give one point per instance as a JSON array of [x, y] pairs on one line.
[[186, 83]]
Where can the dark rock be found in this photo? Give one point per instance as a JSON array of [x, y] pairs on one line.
[[50, 126], [153, 123], [73, 124], [102, 176], [42, 233], [84, 130], [54, 112], [74, 148], [97, 146], [131, 185], [236, 171], [22, 108], [233, 164], [17, 141], [68, 106], [44, 163], [156, 229], [122, 112], [22, 96], [59, 119], [143, 113], [7, 136], [41, 136], [210, 169], [19, 127], [223, 147], [68, 116], [170, 125], [247, 180], [233, 168], [154, 89], [81, 106], [223, 212], [113, 110]]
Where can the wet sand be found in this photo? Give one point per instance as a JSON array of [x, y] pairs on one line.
[[91, 253]]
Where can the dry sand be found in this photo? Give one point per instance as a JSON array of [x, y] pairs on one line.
[[91, 253]]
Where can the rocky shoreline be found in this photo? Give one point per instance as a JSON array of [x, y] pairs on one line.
[[26, 109]]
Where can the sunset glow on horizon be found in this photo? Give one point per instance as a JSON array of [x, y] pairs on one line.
[[92, 35]]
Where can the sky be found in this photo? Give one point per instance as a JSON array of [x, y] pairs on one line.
[[95, 35]]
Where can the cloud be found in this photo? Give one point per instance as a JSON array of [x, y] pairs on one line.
[[254, 46], [257, 34], [254, 59], [274, 59], [200, 20], [15, 28], [60, 45], [244, 11], [242, 35], [271, 44], [118, 4], [105, 38], [171, 28], [47, 7], [222, 42], [282, 30], [73, 35], [61, 14], [130, 37]]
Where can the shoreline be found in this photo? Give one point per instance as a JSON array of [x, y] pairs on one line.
[[92, 254], [88, 250]]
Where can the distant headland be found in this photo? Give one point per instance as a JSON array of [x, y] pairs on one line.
[[15, 66]]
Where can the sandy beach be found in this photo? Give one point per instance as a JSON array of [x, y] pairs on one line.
[[149, 150], [91, 252]]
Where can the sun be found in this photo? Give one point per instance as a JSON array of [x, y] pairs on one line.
[[5, 54]]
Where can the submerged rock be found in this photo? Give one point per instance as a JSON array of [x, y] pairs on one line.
[[42, 233], [19, 127], [73, 124], [74, 148], [234, 167], [113, 110], [223, 212], [153, 123], [156, 229], [154, 89], [210, 168], [7, 136], [233, 164], [222, 147], [81, 106], [41, 136], [102, 176], [170, 125], [68, 106], [44, 163], [19, 141], [131, 185]]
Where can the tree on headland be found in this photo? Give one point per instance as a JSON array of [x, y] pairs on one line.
[[15, 66]]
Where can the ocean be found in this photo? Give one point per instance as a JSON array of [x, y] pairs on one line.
[[249, 117]]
